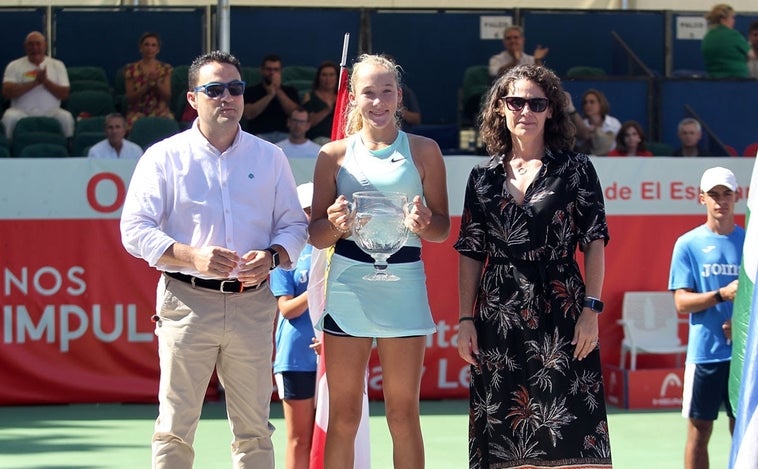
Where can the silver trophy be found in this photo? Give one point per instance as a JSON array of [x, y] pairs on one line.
[[379, 228]]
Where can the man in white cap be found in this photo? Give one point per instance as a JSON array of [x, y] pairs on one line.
[[704, 269]]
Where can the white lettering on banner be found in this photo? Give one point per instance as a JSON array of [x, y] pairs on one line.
[[46, 281], [720, 269], [73, 324]]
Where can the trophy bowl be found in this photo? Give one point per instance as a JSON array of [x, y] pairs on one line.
[[379, 228]]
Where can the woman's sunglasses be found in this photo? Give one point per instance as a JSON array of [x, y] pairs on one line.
[[514, 103], [215, 89]]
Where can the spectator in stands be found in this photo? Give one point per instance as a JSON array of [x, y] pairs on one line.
[[724, 48], [690, 132], [513, 53], [297, 145], [704, 268], [596, 131], [630, 141], [269, 103], [115, 145], [148, 83], [36, 85], [410, 112], [752, 55], [319, 102]]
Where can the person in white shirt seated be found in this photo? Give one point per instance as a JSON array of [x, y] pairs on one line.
[[115, 145], [296, 145], [513, 52], [35, 85]]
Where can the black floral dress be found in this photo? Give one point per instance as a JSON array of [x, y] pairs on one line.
[[531, 404]]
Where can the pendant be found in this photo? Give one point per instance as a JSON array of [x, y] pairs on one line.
[[522, 170]]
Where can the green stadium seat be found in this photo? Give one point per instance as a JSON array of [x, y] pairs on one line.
[[37, 124], [148, 130], [83, 140], [660, 148], [179, 87], [476, 82], [87, 73], [251, 76], [43, 150], [89, 85], [90, 103], [298, 72], [91, 124]]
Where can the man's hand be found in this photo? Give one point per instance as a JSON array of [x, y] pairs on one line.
[[254, 268], [540, 53], [215, 261]]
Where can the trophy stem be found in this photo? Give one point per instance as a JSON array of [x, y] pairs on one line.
[[381, 274]]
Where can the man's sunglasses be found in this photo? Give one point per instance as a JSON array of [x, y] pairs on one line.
[[515, 103], [215, 89]]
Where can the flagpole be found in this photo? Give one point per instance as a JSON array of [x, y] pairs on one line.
[[345, 42]]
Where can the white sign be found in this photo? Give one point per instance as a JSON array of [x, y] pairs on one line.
[[492, 27], [691, 27]]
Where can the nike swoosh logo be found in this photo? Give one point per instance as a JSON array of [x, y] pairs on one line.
[[708, 249], [395, 160]]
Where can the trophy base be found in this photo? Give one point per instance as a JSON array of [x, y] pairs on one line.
[[381, 277]]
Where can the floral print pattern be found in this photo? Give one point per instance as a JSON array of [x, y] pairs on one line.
[[532, 405]]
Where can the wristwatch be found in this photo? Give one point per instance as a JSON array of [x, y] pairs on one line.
[[274, 258], [594, 304]]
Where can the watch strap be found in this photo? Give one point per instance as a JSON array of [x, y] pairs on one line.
[[594, 304], [274, 258]]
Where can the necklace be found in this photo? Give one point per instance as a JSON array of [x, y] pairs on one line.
[[521, 170]]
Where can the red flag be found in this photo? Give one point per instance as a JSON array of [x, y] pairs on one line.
[[338, 123]]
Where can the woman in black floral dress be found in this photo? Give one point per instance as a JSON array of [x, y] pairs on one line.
[[528, 321]]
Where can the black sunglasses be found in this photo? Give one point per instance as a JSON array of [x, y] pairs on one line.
[[514, 103], [215, 89]]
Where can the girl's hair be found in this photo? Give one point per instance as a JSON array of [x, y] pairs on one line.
[[621, 146], [317, 78], [719, 12], [354, 121], [559, 130]]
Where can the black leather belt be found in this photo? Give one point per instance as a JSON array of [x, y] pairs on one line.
[[223, 286]]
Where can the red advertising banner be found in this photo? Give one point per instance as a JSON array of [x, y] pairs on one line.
[[76, 308]]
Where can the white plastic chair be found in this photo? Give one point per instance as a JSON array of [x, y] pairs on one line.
[[651, 326]]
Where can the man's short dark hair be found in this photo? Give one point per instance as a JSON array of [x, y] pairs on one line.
[[270, 58], [214, 56]]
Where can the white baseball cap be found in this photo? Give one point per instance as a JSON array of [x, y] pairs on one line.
[[718, 176], [305, 194]]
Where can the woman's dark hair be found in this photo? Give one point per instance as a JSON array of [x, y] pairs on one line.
[[147, 35], [323, 65], [559, 130], [621, 146]]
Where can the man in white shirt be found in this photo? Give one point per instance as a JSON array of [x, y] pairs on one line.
[[115, 145], [513, 43], [36, 84], [297, 145], [215, 209]]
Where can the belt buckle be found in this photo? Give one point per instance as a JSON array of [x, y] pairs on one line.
[[224, 282]]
